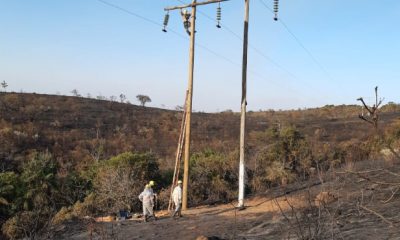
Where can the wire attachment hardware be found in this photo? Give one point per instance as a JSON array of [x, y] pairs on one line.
[[276, 8]]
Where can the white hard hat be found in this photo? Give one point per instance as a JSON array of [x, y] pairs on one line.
[[180, 182]]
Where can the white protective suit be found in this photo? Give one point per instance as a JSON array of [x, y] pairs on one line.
[[147, 198], [177, 197]]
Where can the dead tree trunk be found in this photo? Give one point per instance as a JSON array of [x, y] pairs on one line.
[[373, 112]]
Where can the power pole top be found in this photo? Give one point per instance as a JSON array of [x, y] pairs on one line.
[[193, 5]]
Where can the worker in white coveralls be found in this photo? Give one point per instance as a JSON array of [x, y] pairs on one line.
[[151, 185], [147, 199], [177, 197]]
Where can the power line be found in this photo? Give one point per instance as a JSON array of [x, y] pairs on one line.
[[258, 51], [265, 56], [201, 45], [179, 34], [255, 73], [255, 49], [130, 12], [314, 59], [169, 29], [141, 17]]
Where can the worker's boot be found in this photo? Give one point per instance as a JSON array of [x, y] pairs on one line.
[[175, 214], [145, 218]]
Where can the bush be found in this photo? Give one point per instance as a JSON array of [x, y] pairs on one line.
[[9, 191], [65, 214], [163, 198], [39, 182], [289, 155], [26, 224], [34, 201], [78, 210], [119, 181], [11, 230], [213, 177]]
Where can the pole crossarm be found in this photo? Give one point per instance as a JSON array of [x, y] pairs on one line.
[[193, 5]]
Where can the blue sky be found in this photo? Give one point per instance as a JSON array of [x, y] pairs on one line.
[[49, 46]]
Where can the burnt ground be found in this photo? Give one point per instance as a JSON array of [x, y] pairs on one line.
[[365, 205]]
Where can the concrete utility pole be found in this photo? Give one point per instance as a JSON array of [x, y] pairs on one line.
[[243, 106], [192, 33]]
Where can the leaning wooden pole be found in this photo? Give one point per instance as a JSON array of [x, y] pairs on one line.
[[189, 109], [178, 156], [243, 108]]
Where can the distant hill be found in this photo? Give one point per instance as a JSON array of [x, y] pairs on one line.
[[78, 131], [69, 157]]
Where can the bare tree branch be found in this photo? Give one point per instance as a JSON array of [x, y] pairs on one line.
[[377, 214]]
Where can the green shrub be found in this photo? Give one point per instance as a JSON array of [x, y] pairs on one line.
[[9, 191], [119, 180], [34, 201], [39, 181], [287, 156], [213, 177]]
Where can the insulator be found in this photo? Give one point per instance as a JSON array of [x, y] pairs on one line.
[[276, 8], [218, 15], [166, 19]]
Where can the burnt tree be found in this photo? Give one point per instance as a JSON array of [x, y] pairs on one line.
[[373, 112]]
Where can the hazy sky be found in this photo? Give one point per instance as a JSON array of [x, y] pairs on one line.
[[50, 46]]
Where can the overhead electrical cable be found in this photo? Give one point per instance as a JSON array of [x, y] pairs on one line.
[[198, 44], [313, 58], [255, 49]]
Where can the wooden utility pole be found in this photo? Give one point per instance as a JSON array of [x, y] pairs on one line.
[[192, 33], [189, 109], [243, 106]]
